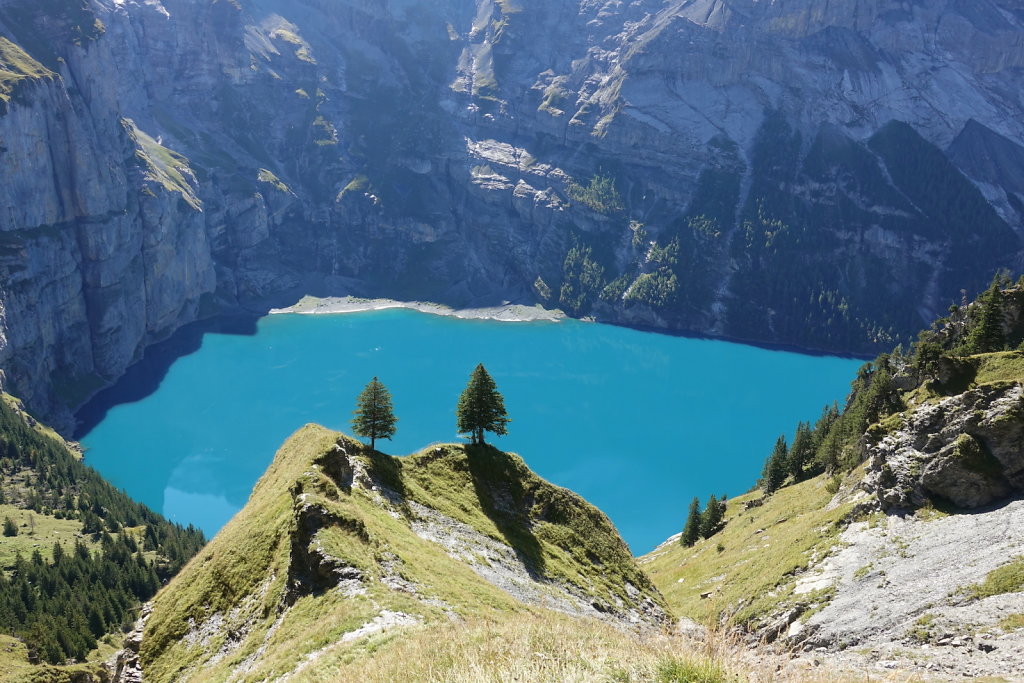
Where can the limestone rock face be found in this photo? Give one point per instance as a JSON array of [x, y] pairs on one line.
[[657, 163], [966, 449]]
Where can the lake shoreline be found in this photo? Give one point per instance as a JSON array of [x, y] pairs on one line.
[[336, 305]]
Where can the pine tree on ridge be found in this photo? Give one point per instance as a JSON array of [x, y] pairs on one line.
[[374, 417], [481, 407]]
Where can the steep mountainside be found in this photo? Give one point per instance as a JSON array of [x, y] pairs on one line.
[[340, 547], [914, 559], [77, 556], [818, 175]]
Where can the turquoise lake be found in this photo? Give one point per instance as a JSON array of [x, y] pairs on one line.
[[636, 422]]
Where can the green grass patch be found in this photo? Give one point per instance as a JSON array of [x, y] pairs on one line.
[[1006, 579], [922, 630], [16, 66], [1012, 622], [36, 531], [265, 176], [15, 666], [1007, 366], [672, 670], [358, 184], [163, 166], [930, 510], [556, 530], [765, 547], [302, 49]]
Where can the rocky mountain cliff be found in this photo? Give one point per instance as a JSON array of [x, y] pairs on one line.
[[822, 175]]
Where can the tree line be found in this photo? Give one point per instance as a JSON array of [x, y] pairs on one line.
[[941, 355], [481, 408], [703, 523], [62, 606]]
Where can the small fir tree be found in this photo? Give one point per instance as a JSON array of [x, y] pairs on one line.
[[374, 417], [776, 467], [10, 528], [481, 408], [801, 452], [691, 531]]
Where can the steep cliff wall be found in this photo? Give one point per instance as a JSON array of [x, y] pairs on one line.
[[823, 175]]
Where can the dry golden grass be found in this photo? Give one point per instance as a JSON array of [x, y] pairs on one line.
[[551, 648], [527, 647]]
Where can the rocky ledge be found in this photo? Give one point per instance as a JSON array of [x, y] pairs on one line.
[[967, 450]]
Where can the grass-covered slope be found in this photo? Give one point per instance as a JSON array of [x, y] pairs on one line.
[[747, 573], [340, 548], [77, 556], [17, 66], [891, 527]]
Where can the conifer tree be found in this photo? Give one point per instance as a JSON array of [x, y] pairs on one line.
[[711, 518], [987, 334], [10, 529], [927, 355], [801, 452], [481, 407], [374, 417], [691, 531], [775, 467]]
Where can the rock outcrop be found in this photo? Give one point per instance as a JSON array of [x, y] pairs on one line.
[[967, 449], [652, 163], [904, 597]]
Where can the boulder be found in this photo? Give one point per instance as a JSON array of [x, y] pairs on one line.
[[967, 449]]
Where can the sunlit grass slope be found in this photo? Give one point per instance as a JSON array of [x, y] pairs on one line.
[[535, 646], [749, 569], [329, 562]]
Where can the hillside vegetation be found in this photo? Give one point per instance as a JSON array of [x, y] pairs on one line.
[[340, 547], [746, 574], [77, 556], [846, 541]]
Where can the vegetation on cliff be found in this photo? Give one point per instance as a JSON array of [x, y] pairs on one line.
[[932, 431], [17, 66], [340, 547], [84, 555]]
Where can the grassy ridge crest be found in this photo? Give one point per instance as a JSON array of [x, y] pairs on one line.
[[340, 547]]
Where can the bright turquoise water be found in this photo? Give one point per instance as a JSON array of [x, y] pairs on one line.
[[636, 422]]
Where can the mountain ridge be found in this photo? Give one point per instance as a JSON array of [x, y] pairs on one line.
[[365, 543], [905, 554]]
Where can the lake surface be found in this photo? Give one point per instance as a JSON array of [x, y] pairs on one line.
[[636, 422]]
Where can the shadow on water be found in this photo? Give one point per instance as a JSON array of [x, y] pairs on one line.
[[144, 377], [498, 481]]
